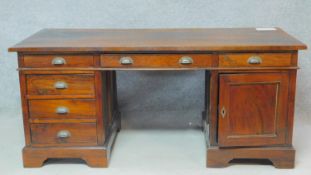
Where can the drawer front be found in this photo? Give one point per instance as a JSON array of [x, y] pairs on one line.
[[254, 60], [156, 61], [41, 61], [78, 84], [62, 134], [62, 109]]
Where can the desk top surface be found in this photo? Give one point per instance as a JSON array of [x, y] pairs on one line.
[[151, 40]]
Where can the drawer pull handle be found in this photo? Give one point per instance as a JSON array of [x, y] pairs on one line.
[[60, 85], [223, 112], [185, 60], [254, 60], [58, 61], [126, 61], [62, 110], [63, 134]]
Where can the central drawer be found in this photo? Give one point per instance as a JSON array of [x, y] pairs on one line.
[[156, 60]]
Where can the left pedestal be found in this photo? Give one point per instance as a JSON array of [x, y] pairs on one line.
[[67, 112]]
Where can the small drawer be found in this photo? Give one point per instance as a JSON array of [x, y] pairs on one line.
[[64, 133], [43, 61], [255, 60], [62, 109], [77, 84], [156, 60]]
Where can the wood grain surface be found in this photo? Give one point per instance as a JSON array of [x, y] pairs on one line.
[[142, 40]]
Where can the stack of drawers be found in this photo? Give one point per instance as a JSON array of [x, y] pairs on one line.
[[62, 111], [61, 105]]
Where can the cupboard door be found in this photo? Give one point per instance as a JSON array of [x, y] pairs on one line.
[[252, 109]]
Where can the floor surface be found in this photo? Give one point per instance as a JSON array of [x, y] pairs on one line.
[[145, 152]]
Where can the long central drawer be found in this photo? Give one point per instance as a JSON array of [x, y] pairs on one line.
[[156, 60]]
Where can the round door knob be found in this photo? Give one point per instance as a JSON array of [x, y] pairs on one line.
[[185, 60], [58, 61], [63, 134], [126, 61]]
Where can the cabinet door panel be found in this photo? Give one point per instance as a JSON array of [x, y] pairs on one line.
[[252, 109]]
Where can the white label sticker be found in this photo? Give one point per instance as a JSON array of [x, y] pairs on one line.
[[266, 29]]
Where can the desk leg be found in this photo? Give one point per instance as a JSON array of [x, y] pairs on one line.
[[110, 112], [280, 157], [211, 104], [115, 100]]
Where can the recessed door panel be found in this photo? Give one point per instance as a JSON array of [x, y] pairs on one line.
[[252, 109]]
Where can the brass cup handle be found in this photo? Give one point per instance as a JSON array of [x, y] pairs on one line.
[[58, 61], [185, 60], [126, 61], [63, 134], [60, 85], [62, 110], [254, 60]]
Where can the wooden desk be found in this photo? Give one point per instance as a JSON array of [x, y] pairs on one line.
[[68, 89]]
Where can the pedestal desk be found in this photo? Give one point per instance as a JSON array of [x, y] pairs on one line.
[[69, 96]]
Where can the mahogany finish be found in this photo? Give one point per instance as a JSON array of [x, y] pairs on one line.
[[69, 90], [155, 40], [75, 84], [280, 157], [39, 61], [267, 60], [80, 134], [76, 108], [252, 109], [156, 60], [93, 156]]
